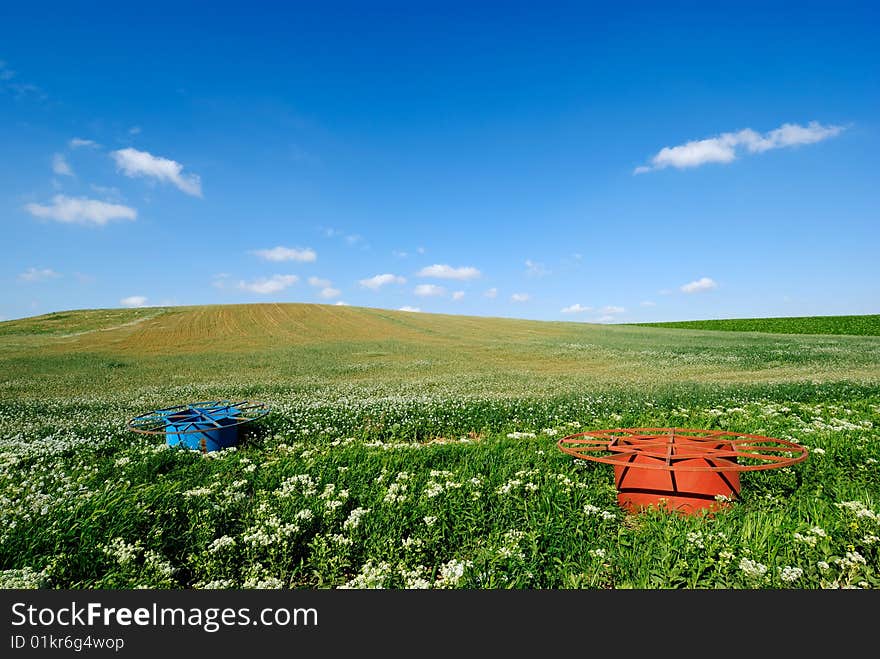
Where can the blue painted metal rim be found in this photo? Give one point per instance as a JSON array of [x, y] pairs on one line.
[[198, 417]]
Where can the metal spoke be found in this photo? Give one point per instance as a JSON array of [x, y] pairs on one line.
[[683, 449], [194, 417]]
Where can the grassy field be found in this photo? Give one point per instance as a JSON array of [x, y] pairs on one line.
[[868, 325], [409, 450]]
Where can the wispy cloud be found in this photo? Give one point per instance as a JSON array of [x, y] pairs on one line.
[[491, 293], [576, 308], [134, 163], [457, 295], [327, 291], [609, 313], [80, 210], [648, 303], [78, 142], [429, 290], [534, 269], [350, 239], [443, 271], [60, 165], [107, 191], [5, 72], [377, 282], [280, 253], [133, 301], [341, 303], [699, 285], [520, 297], [38, 274], [9, 82], [407, 308], [725, 147], [268, 285]]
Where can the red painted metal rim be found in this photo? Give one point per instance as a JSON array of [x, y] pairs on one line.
[[683, 449]]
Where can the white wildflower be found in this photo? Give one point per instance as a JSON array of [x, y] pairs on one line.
[[354, 518], [752, 569], [220, 543], [790, 574], [451, 573]]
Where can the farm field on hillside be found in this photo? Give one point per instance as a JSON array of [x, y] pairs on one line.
[[419, 451], [868, 325]]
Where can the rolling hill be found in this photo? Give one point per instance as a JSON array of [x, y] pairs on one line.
[[291, 344]]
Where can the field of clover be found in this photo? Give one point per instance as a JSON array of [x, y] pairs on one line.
[[424, 487]]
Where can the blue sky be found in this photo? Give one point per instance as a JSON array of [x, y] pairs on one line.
[[616, 162]]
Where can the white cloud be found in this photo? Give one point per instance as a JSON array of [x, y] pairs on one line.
[[38, 274], [135, 163], [327, 291], [520, 297], [413, 309], [134, 130], [443, 271], [341, 303], [605, 319], [491, 293], [648, 303], [78, 142], [576, 308], [535, 269], [399, 254], [790, 135], [702, 284], [427, 290], [60, 165], [80, 210], [375, 283], [272, 284], [611, 310], [133, 301], [723, 148], [457, 295], [279, 253]]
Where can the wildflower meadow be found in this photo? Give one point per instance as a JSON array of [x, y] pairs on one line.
[[412, 451]]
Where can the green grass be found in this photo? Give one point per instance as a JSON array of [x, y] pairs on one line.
[[416, 450], [868, 325]]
